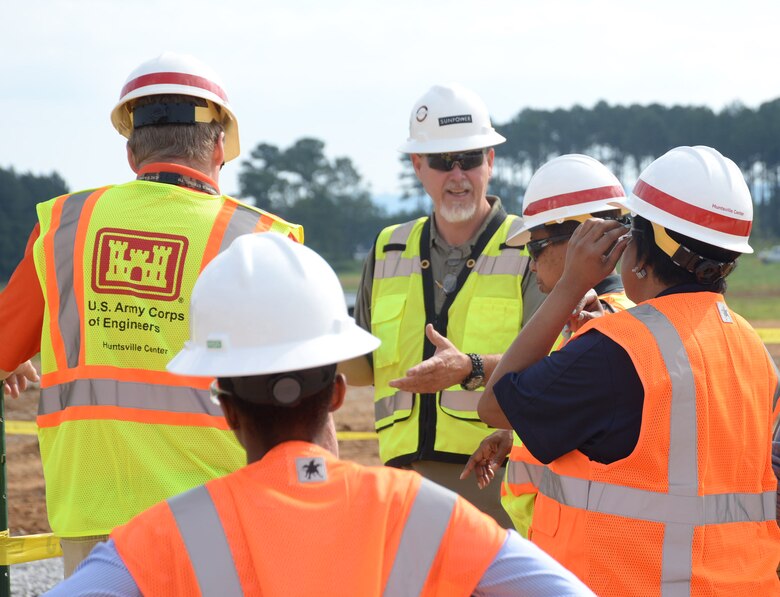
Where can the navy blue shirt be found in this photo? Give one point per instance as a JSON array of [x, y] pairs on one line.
[[586, 396]]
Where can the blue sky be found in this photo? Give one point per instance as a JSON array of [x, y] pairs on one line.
[[348, 72]]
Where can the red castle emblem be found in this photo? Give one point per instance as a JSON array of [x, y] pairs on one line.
[[144, 264]]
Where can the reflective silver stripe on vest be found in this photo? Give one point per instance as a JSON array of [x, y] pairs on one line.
[[653, 506], [204, 537], [389, 404], [509, 261], [393, 265], [514, 226], [242, 221], [519, 472], [420, 539], [401, 233], [460, 400], [683, 470], [681, 509], [125, 394], [64, 253]]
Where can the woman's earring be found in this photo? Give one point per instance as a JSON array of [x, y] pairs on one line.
[[639, 273]]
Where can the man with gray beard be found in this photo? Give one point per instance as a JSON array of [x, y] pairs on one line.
[[446, 296]]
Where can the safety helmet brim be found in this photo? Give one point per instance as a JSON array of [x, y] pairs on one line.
[[225, 361], [466, 143]]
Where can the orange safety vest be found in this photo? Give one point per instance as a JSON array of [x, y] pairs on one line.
[[692, 510], [523, 471], [302, 522], [117, 265]]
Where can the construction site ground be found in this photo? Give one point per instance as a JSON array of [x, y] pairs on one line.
[[26, 498]]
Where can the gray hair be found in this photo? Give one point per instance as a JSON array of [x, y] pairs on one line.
[[191, 143]]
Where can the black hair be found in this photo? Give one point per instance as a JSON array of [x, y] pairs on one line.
[[666, 270]]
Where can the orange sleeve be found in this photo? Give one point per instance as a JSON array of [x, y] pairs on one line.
[[21, 312]]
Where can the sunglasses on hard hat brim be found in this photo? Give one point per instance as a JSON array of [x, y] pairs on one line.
[[466, 160]]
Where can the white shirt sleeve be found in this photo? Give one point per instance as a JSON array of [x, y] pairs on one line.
[[101, 574], [522, 568]]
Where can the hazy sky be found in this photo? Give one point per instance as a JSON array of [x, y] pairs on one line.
[[348, 72]]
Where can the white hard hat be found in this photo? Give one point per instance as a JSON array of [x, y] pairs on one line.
[[268, 305], [565, 188], [449, 118], [181, 74], [699, 193]]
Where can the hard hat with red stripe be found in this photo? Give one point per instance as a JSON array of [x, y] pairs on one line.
[[697, 192], [569, 187], [171, 73]]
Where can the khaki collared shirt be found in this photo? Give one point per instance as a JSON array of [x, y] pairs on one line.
[[446, 263]]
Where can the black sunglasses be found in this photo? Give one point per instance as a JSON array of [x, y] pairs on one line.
[[467, 160], [536, 247], [625, 219]]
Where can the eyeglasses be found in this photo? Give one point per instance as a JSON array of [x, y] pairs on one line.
[[215, 392], [467, 160], [625, 219], [535, 247]]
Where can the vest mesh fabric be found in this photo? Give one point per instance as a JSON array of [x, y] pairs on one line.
[[484, 318], [117, 267], [724, 452], [335, 537]]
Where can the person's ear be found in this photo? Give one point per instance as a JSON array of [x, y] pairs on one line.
[[131, 159], [339, 392], [491, 155], [417, 159], [218, 156]]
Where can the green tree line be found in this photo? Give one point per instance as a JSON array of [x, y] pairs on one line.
[[18, 195], [331, 200], [627, 138], [327, 197]]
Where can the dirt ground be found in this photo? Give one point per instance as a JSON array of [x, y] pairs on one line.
[[26, 499]]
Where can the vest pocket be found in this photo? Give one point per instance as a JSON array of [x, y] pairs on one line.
[[492, 324], [386, 325], [547, 516]]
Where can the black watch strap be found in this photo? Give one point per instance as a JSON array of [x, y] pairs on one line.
[[477, 376]]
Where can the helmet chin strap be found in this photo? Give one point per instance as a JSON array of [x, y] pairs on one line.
[[707, 271]]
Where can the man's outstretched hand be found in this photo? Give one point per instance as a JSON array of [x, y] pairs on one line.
[[446, 368]]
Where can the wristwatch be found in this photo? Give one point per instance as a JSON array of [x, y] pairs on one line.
[[476, 378]]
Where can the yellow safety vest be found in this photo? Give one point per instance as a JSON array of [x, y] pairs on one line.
[[117, 432], [482, 317]]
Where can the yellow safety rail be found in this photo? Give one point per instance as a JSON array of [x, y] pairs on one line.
[[27, 548]]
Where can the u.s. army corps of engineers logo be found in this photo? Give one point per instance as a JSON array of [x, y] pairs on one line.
[[144, 264]]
